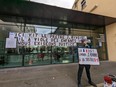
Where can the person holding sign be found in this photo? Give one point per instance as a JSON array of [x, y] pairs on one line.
[[87, 68]]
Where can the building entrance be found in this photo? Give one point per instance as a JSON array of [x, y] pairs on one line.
[[25, 55]]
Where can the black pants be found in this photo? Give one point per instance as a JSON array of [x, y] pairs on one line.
[[80, 71]]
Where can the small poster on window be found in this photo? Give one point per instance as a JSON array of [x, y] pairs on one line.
[[10, 43]]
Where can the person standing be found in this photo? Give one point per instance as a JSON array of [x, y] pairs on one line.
[[87, 68]]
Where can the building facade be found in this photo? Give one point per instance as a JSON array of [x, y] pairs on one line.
[[106, 8], [48, 34]]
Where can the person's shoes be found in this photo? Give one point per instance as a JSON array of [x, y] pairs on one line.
[[79, 85], [93, 84]]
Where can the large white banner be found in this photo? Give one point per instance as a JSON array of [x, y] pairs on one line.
[[88, 56], [34, 39]]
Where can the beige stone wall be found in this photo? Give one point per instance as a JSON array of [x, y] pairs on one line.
[[111, 39], [103, 7]]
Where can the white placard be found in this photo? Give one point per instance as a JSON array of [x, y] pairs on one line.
[[10, 42], [88, 56]]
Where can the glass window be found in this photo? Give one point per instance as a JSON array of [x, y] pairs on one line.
[[22, 53]]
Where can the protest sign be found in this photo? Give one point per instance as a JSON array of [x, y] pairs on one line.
[[88, 56], [35, 39]]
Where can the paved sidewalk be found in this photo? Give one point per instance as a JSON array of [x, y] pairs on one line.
[[59, 75], [98, 85]]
